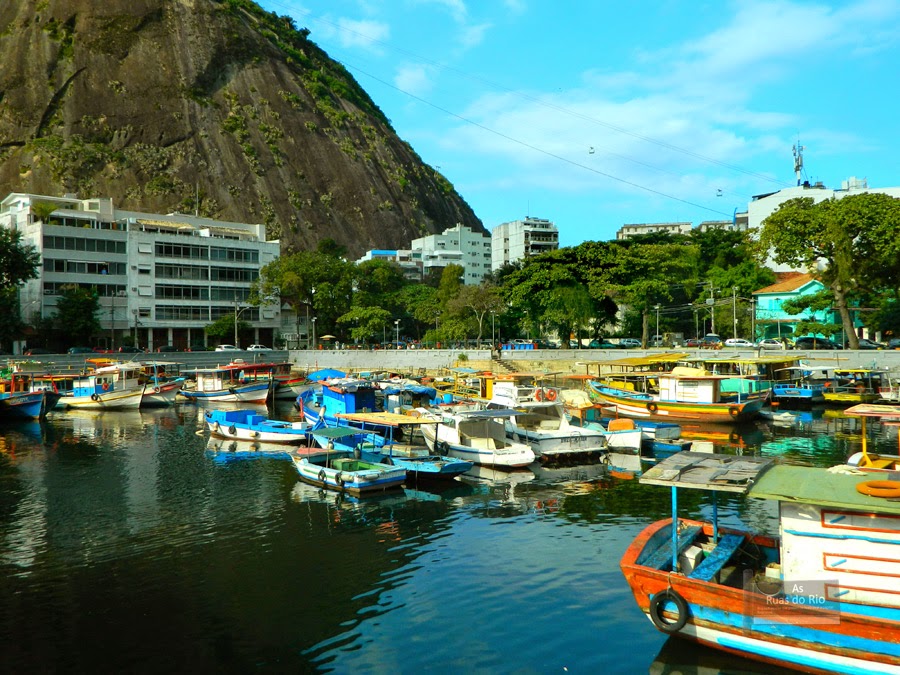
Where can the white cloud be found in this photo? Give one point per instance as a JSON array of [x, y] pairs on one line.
[[472, 36], [457, 8], [415, 79], [363, 34]]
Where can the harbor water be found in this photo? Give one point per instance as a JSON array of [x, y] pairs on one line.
[[128, 543]]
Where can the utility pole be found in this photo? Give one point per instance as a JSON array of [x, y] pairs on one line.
[[712, 309]]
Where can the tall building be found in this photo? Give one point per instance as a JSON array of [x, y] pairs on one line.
[[459, 245], [160, 278], [519, 239]]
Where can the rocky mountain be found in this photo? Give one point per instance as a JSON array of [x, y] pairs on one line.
[[158, 102]]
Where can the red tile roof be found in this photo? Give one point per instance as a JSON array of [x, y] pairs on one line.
[[787, 281]]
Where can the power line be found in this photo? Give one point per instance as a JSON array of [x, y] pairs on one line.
[[648, 139]]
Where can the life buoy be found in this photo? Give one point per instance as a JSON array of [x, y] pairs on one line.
[[322, 476], [232, 430], [657, 606], [539, 395], [879, 488], [339, 479], [550, 394], [156, 390], [106, 386], [95, 397], [232, 390], [652, 407], [442, 447], [254, 434], [734, 411]]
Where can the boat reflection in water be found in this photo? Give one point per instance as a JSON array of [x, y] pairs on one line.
[[223, 450], [678, 657]]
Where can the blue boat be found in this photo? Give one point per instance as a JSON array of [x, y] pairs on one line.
[[321, 405], [348, 474], [798, 388], [22, 405], [390, 439], [246, 424]]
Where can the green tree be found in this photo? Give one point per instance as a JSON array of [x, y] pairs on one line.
[[477, 300], [365, 323], [18, 263], [76, 314], [223, 328], [848, 244]]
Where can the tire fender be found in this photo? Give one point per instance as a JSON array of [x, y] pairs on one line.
[[658, 604]]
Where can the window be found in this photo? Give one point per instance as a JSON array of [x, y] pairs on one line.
[[173, 292], [167, 250], [187, 272]]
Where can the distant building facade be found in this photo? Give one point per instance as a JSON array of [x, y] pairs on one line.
[[459, 245], [160, 278], [409, 261], [738, 223], [520, 239]]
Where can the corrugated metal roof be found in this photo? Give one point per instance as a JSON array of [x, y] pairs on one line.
[[792, 282]]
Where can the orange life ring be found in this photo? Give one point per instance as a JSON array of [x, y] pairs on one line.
[[106, 386], [550, 394], [539, 395], [879, 488]]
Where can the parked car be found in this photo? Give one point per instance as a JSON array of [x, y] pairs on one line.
[[258, 348], [893, 343], [711, 341], [771, 343], [228, 348], [37, 351], [811, 342], [602, 344], [130, 349], [740, 343], [692, 342], [167, 348], [865, 343], [629, 343], [80, 350]]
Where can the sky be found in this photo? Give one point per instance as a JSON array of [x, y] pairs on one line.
[[594, 114]]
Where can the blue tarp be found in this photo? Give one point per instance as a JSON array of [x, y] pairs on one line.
[[325, 374]]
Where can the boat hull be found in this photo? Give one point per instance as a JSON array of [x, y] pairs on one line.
[[29, 405], [344, 478], [249, 393], [711, 413], [112, 400], [161, 395], [733, 618], [248, 425]]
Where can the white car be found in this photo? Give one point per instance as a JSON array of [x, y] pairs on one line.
[[739, 342], [228, 348], [770, 343], [258, 348]]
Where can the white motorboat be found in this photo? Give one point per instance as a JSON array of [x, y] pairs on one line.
[[478, 436]]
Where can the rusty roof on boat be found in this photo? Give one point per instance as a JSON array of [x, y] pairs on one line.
[[874, 410], [708, 471]]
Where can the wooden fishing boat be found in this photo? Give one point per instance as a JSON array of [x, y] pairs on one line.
[[350, 475], [821, 597], [855, 385], [234, 382], [115, 386], [682, 397], [248, 425]]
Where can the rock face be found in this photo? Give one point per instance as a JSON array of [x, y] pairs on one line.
[[214, 106]]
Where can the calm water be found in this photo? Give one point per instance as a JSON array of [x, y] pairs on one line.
[[127, 545]]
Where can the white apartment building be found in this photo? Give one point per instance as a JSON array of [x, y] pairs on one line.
[[459, 245], [762, 206], [634, 229], [409, 261], [160, 278], [519, 239]]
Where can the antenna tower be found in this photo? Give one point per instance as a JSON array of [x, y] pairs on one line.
[[798, 160]]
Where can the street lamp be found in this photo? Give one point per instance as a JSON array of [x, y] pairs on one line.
[[492, 330], [314, 332], [397, 326], [734, 309], [237, 314], [657, 321]]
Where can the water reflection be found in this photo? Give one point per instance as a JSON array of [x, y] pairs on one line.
[[185, 562], [679, 657]]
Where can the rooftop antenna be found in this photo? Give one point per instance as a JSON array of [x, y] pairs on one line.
[[798, 159]]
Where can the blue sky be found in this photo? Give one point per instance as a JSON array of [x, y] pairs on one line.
[[595, 114]]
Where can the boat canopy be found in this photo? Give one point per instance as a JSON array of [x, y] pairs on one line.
[[335, 432], [488, 414], [834, 487], [708, 471], [889, 412], [385, 419]]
